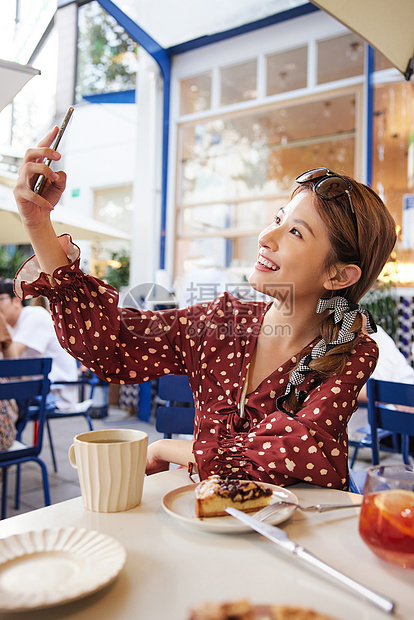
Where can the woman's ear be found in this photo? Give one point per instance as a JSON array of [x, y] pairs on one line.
[[343, 277]]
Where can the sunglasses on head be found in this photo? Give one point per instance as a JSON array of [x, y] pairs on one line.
[[329, 185]]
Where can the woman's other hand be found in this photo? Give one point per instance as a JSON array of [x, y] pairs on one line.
[[165, 451], [155, 458], [34, 209]]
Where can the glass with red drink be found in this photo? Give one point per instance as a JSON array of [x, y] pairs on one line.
[[386, 521]]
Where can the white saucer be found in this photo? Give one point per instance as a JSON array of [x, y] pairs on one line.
[[180, 504], [50, 567]]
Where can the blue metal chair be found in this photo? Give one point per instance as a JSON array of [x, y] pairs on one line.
[[176, 417], [366, 441], [83, 408], [383, 416], [27, 381], [357, 481]]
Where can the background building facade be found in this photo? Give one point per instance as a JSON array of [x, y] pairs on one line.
[[247, 111]]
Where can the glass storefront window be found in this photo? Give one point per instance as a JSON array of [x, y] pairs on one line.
[[258, 154], [238, 82], [107, 56], [340, 57], [236, 171], [393, 165], [190, 250], [195, 93], [286, 71], [227, 218], [114, 207]]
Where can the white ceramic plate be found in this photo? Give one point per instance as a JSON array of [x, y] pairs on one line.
[[50, 567], [180, 504]]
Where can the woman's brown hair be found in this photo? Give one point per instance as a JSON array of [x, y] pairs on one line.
[[369, 247]]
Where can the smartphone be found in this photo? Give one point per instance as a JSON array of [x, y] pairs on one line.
[[41, 181]]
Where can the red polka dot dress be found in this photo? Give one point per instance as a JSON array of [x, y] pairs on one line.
[[213, 344]]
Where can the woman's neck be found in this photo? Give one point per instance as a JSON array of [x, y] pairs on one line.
[[283, 334], [293, 327]]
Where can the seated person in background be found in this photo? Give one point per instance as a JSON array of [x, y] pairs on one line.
[[8, 408], [41, 301], [33, 335], [391, 365]]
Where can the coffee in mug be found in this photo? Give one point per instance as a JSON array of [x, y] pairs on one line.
[[111, 468]]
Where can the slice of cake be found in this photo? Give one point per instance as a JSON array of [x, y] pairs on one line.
[[215, 494], [243, 610]]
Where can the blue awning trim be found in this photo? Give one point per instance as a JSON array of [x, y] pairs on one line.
[[277, 18], [139, 35], [121, 96], [369, 110]]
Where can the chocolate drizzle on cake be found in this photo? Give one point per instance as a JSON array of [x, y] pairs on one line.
[[241, 490]]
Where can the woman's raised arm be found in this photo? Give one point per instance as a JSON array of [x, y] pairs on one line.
[[34, 209]]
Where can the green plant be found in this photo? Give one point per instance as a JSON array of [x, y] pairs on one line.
[[107, 55], [12, 259], [117, 272], [381, 303]]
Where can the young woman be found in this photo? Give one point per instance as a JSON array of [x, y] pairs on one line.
[[274, 383]]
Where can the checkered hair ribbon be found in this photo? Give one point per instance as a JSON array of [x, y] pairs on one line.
[[344, 313]]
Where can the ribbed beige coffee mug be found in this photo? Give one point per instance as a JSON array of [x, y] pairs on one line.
[[111, 468]]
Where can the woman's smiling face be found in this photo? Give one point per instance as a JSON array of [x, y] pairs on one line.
[[293, 251]]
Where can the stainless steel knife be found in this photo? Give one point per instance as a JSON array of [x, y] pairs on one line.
[[280, 537]]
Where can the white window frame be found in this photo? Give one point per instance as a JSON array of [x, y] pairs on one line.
[[306, 30]]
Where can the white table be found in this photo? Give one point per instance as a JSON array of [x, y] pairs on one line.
[[172, 567]]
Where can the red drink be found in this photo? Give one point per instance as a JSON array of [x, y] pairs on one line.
[[387, 525]]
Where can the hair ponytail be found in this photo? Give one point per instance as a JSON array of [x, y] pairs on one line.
[[332, 363], [334, 360], [330, 354]]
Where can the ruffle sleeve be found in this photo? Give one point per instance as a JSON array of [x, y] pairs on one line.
[[120, 345]]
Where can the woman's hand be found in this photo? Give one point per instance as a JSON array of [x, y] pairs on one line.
[[165, 451], [34, 209], [155, 461]]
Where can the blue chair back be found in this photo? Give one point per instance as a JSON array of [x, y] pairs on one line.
[[26, 382], [380, 416], [176, 417], [382, 419]]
